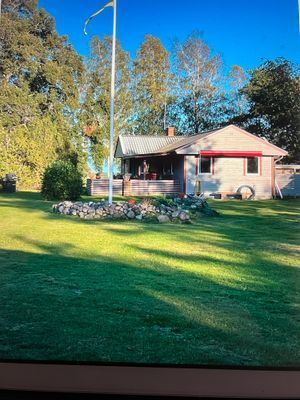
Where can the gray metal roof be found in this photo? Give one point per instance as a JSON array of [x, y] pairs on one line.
[[143, 144], [129, 145], [185, 141]]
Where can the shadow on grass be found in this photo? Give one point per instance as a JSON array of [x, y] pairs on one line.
[[57, 307], [228, 304], [25, 200]]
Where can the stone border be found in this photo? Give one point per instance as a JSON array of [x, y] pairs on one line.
[[174, 209], [123, 210]]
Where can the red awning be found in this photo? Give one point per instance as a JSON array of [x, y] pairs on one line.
[[225, 153]]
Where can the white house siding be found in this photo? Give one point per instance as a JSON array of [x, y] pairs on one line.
[[229, 175], [229, 171]]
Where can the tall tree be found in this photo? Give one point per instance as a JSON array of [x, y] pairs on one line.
[[39, 78], [24, 8], [237, 103], [96, 110], [151, 86], [273, 92], [199, 104]]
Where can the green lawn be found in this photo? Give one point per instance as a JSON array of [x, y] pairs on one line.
[[221, 291]]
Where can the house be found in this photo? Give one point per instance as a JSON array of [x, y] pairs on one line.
[[219, 160]]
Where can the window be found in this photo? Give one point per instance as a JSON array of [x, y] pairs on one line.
[[252, 165], [205, 165]]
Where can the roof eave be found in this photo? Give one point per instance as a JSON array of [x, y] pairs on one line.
[[144, 155]]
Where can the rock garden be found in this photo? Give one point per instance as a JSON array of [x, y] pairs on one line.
[[163, 210]]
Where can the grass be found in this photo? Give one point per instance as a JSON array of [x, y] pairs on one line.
[[222, 291]]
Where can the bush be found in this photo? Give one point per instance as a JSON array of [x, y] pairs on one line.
[[165, 201], [61, 181]]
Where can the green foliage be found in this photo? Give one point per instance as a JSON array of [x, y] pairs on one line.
[[26, 150], [273, 92], [151, 85], [40, 77], [236, 102], [95, 111], [163, 200], [61, 181], [199, 97], [48, 97]]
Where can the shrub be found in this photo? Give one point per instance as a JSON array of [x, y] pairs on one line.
[[163, 200], [61, 181]]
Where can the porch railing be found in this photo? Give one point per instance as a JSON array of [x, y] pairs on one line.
[[133, 187]]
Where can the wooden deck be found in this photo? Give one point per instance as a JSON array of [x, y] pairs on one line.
[[134, 187]]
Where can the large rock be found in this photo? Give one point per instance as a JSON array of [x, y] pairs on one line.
[[130, 214], [183, 216], [163, 218], [175, 214]]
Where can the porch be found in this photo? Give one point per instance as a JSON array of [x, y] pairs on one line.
[[154, 168], [133, 187], [143, 176]]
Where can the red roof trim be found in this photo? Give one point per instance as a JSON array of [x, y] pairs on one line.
[[219, 153]]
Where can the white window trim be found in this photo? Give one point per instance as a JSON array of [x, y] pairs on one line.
[[258, 167], [199, 166]]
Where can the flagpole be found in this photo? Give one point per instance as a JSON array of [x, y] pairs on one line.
[[112, 106], [111, 3]]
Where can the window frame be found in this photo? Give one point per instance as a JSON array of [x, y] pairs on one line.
[[211, 166], [258, 166]]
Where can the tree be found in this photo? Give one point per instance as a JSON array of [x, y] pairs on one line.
[[24, 8], [273, 92], [237, 103], [39, 78], [200, 99], [61, 181], [151, 86], [96, 106]]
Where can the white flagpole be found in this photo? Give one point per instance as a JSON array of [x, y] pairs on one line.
[[112, 3], [112, 106]]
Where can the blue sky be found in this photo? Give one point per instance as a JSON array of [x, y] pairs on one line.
[[243, 32]]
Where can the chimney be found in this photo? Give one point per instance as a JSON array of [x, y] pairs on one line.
[[170, 131]]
